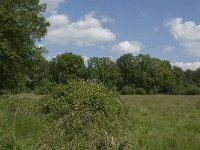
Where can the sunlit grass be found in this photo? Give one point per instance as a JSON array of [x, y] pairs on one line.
[[159, 122], [165, 122]]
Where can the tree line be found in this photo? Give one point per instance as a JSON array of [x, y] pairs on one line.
[[129, 74]]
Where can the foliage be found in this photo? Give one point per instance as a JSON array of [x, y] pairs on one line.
[[153, 122], [46, 88], [104, 70], [38, 74], [151, 74], [191, 90], [86, 113], [128, 90], [193, 77], [140, 91], [65, 67], [178, 90], [22, 24]]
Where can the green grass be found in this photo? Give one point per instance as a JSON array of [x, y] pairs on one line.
[[165, 122], [20, 126], [158, 122]]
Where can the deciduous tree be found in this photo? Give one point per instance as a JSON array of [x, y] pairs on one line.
[[67, 66], [104, 70], [22, 24]]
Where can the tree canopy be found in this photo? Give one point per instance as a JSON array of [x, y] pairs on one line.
[[65, 67], [22, 25], [146, 72], [104, 70]]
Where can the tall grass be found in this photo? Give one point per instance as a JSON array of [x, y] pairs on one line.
[[20, 127], [165, 122], [158, 122]]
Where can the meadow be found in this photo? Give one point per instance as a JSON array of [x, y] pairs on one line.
[[158, 122], [165, 121]]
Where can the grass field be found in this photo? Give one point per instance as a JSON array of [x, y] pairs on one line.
[[165, 122], [156, 123]]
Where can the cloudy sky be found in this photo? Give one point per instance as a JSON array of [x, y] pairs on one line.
[[166, 29]]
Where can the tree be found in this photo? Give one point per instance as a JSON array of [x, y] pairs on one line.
[[38, 73], [126, 64], [67, 66], [197, 77], [152, 74], [163, 76], [22, 25], [193, 77], [104, 70]]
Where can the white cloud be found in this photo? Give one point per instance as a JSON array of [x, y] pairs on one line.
[[85, 58], [188, 65], [168, 49], [49, 58], [187, 33], [111, 57], [58, 20], [86, 31], [52, 5], [40, 45], [128, 47]]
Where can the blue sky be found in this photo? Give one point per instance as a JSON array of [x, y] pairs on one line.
[[165, 29]]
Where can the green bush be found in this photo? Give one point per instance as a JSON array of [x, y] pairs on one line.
[[191, 90], [128, 90], [87, 115], [44, 89], [140, 91], [178, 90]]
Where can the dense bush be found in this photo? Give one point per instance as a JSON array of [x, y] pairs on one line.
[[46, 88], [187, 90], [178, 90], [191, 90], [87, 115], [128, 90], [140, 91]]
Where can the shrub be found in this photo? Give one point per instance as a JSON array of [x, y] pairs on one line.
[[191, 90], [140, 91], [87, 115], [128, 90], [45, 88], [178, 90]]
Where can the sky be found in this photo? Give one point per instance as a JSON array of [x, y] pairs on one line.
[[167, 29]]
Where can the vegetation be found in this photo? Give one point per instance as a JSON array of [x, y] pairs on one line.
[[22, 24], [130, 74], [65, 67], [87, 115], [79, 115], [153, 122], [165, 122], [103, 70], [128, 90]]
